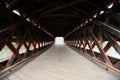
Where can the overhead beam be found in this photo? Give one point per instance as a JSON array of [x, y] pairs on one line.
[[91, 3], [47, 22], [65, 19], [76, 10], [62, 15], [13, 4], [74, 14], [116, 17], [63, 6], [79, 10], [78, 13], [52, 4], [58, 23], [45, 2], [109, 28], [41, 9], [10, 28]]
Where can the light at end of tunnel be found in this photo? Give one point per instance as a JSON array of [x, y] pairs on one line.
[[59, 40]]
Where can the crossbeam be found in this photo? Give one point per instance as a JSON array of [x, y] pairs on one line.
[[63, 6], [13, 4]]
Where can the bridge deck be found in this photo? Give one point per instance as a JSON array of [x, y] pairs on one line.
[[62, 63]]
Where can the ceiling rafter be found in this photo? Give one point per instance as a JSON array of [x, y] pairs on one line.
[[61, 15], [63, 6], [91, 3], [65, 19], [45, 2], [75, 14], [56, 4], [13, 4], [75, 9], [41, 9], [79, 10], [59, 24]]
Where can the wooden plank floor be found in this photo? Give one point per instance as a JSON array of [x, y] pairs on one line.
[[61, 63]]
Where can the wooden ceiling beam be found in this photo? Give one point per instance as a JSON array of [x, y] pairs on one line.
[[62, 15], [75, 9], [65, 19], [41, 9], [77, 14], [91, 3], [74, 14], [45, 2], [60, 23], [78, 10], [63, 6], [13, 4]]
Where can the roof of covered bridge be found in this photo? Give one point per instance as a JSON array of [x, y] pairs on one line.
[[59, 17]]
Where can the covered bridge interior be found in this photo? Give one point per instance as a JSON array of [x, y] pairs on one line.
[[91, 27]]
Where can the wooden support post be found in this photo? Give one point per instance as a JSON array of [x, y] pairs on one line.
[[79, 39], [105, 57], [83, 43], [89, 44], [27, 48], [107, 47], [12, 48], [10, 62], [93, 45], [29, 44], [19, 45], [112, 41], [32, 42]]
